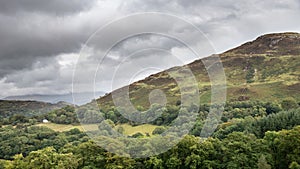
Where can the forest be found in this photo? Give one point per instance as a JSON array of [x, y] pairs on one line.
[[252, 134]]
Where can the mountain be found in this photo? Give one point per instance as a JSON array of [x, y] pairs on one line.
[[266, 69], [85, 97]]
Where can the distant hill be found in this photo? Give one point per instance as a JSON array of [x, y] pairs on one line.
[[9, 108], [266, 69], [81, 98]]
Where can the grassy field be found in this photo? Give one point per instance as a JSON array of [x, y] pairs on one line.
[[67, 127], [144, 129], [128, 129], [60, 127]]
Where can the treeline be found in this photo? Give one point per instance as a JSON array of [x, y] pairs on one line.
[[239, 116], [258, 126], [165, 116], [237, 150]]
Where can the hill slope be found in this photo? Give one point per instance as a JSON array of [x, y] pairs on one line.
[[266, 69], [9, 108]]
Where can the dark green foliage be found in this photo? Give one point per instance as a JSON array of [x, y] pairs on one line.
[[166, 116], [285, 147], [290, 103], [46, 158], [237, 150], [250, 75], [294, 165], [258, 126], [276, 122], [250, 108], [137, 135], [8, 109], [159, 130], [24, 140], [239, 142], [197, 128], [17, 119], [272, 108], [88, 154], [64, 115], [263, 163]]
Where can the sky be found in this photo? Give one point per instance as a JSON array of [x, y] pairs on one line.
[[44, 44]]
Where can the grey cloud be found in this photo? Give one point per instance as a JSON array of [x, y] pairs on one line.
[[45, 77], [30, 32], [168, 32], [211, 11], [23, 41], [44, 70], [54, 7], [145, 41], [138, 64]]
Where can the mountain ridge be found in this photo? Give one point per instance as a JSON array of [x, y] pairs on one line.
[[9, 108], [85, 97], [266, 43]]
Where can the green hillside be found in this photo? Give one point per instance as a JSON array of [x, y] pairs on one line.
[[266, 69]]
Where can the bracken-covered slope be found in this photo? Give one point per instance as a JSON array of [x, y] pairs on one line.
[[266, 69]]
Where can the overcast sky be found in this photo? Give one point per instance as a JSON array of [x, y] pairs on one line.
[[40, 40]]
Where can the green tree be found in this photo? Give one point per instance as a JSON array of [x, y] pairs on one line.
[[154, 163], [159, 130], [242, 151], [137, 135], [284, 146], [289, 103], [90, 155], [294, 165], [262, 163], [250, 75], [46, 158], [120, 129], [116, 162]]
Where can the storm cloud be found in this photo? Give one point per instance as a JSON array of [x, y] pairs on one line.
[[40, 41], [54, 7]]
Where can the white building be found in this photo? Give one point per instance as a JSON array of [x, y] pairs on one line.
[[45, 121]]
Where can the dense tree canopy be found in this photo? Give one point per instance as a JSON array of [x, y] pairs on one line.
[[251, 135]]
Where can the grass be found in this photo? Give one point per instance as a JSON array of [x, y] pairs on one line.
[[128, 129], [144, 129], [67, 127], [59, 127]]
